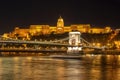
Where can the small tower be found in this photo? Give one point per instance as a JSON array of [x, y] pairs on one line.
[[60, 25]]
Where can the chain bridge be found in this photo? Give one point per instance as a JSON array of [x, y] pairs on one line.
[[74, 42]]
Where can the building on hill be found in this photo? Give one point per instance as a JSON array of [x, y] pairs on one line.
[[58, 29]]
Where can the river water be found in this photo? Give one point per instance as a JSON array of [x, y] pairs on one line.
[[92, 67]]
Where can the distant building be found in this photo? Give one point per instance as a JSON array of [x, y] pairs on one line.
[[58, 29]]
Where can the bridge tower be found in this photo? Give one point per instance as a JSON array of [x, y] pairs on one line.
[[74, 42]]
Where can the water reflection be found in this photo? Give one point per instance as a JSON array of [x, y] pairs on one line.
[[99, 67]]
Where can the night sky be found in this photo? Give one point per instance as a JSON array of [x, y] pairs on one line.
[[23, 13]]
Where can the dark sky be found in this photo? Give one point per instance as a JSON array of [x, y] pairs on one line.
[[25, 12]]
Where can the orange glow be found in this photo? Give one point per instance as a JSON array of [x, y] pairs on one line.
[[59, 28]]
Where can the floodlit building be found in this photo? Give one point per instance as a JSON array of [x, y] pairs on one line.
[[58, 29]]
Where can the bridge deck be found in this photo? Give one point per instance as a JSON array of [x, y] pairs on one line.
[[31, 50]]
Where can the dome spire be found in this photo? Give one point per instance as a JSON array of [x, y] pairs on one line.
[[60, 17], [60, 25], [60, 22]]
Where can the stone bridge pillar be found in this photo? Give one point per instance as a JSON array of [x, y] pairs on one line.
[[74, 42]]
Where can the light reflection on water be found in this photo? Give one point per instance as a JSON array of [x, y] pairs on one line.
[[99, 67]]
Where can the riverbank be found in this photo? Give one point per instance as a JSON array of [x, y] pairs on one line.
[[95, 52], [103, 52]]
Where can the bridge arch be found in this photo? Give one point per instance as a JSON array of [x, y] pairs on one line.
[[74, 42]]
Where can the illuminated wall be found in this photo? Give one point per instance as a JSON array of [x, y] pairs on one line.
[[83, 28], [96, 30], [35, 29], [100, 30], [67, 29], [52, 29], [20, 32], [74, 27], [45, 29], [39, 29]]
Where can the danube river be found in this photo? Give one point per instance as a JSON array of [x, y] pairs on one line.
[[91, 67]]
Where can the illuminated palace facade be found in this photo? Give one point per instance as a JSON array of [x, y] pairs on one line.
[[58, 29]]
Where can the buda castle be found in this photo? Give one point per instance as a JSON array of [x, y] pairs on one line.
[[58, 29]]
